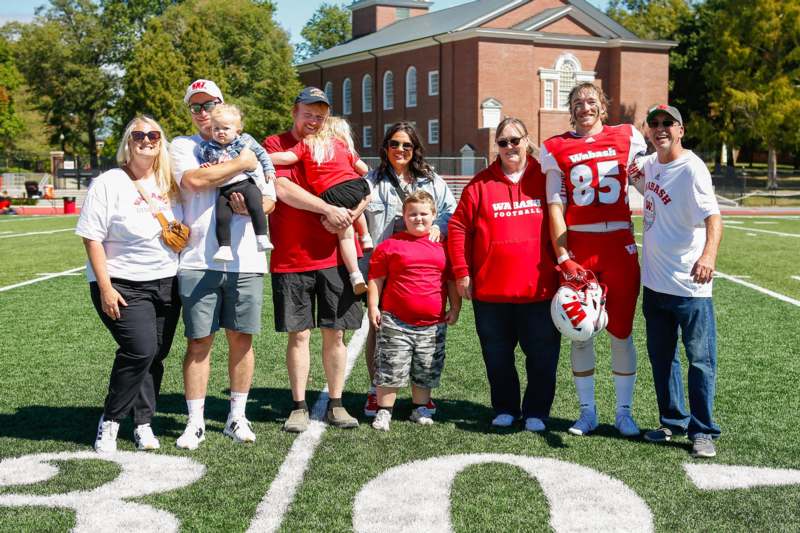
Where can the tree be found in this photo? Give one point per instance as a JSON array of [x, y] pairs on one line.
[[236, 43], [65, 56], [755, 68], [329, 26], [10, 81]]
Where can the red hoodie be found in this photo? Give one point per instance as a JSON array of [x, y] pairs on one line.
[[499, 237]]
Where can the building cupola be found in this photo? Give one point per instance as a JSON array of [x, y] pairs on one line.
[[370, 16]]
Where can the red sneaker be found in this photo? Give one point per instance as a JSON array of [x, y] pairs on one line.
[[431, 406], [371, 407]]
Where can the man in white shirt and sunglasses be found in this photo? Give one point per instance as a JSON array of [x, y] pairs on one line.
[[215, 295]]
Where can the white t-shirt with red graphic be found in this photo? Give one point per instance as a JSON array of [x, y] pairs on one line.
[[678, 197], [115, 214]]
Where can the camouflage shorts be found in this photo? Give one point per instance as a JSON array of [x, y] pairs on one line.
[[403, 349]]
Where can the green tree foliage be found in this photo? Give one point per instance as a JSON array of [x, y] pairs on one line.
[[235, 43], [650, 19], [329, 26], [755, 71], [64, 56], [10, 81], [127, 20]]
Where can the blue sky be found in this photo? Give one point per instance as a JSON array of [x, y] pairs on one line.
[[292, 14]]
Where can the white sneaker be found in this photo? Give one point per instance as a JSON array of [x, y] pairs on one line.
[[422, 416], [264, 243], [239, 429], [106, 441], [503, 421], [625, 424], [193, 435], [144, 438], [223, 255], [366, 242], [534, 424], [382, 420], [357, 280], [586, 422]]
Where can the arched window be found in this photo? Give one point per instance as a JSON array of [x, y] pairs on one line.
[[366, 93], [567, 79], [329, 94], [411, 87], [347, 102], [388, 90]]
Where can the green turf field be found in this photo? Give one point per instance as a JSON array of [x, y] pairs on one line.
[[56, 356]]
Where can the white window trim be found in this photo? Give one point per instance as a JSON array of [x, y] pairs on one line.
[[431, 74], [329, 93], [347, 97], [366, 140], [366, 88], [388, 103], [431, 122], [411, 82], [554, 75]]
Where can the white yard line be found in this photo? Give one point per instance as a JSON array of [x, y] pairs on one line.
[[780, 233], [34, 217], [69, 272], [795, 278], [758, 288], [35, 233], [272, 509]]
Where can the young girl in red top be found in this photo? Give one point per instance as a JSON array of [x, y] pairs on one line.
[[333, 171]]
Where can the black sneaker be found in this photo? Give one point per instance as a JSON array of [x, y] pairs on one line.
[[662, 434]]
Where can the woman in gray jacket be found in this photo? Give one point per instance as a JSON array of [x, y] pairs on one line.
[[402, 170]]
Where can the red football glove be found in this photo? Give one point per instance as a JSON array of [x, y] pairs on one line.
[[571, 270]]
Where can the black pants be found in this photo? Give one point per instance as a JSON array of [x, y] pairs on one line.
[[144, 334], [224, 213], [501, 326]]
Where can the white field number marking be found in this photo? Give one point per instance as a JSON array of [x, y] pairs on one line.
[[104, 508], [580, 498]]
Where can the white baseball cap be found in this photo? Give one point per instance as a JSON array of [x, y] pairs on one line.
[[203, 86]]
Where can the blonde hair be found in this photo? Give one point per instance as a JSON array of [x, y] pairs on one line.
[[321, 143], [229, 110], [420, 197], [161, 165]]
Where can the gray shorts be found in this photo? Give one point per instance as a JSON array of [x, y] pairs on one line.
[[403, 350], [213, 299]]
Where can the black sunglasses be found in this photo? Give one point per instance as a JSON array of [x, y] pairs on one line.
[[513, 141], [207, 106], [667, 123], [139, 136], [397, 144]]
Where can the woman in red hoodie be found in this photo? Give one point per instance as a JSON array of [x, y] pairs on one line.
[[502, 260]]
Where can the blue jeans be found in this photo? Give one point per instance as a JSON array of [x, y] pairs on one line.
[[664, 315], [500, 327]]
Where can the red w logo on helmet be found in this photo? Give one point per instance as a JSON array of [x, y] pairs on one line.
[[574, 311]]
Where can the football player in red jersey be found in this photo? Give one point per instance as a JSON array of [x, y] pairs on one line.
[[590, 228]]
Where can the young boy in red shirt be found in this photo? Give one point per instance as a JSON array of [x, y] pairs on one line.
[[410, 282]]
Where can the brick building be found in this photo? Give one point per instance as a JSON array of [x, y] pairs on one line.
[[456, 72]]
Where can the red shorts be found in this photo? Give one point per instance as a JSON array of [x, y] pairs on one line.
[[613, 258]]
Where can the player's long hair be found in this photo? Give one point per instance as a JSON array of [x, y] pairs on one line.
[[161, 165], [418, 167], [320, 144], [602, 96]]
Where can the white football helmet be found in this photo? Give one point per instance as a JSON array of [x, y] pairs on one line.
[[579, 308]]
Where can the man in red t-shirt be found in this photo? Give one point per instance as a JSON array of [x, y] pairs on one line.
[[590, 228], [310, 287]]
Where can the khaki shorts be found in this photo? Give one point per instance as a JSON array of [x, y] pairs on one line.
[[213, 299], [403, 350]]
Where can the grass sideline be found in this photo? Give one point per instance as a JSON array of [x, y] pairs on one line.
[[56, 357]]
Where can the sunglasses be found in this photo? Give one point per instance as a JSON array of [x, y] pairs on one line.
[[139, 136], [397, 145], [513, 141], [205, 106], [666, 123]]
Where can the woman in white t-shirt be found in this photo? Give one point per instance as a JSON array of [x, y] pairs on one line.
[[132, 276]]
